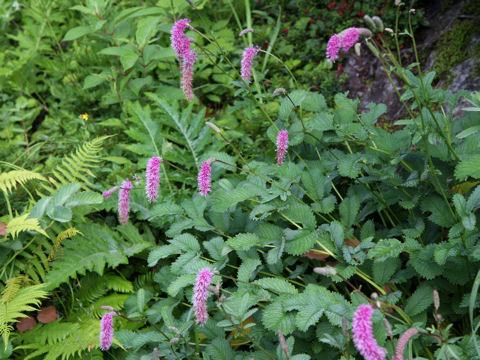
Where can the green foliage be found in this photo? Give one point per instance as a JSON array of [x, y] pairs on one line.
[[15, 306]]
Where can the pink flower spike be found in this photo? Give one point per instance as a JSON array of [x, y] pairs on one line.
[[282, 146], [333, 47], [205, 177], [123, 201], [349, 38], [187, 74], [107, 193], [363, 335], [402, 342], [106, 331], [153, 178], [247, 60], [180, 43], [200, 294]]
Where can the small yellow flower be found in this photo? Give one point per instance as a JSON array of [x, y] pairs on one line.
[[83, 116]]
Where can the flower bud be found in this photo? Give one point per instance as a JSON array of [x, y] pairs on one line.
[[378, 23], [106, 307], [370, 22], [245, 31], [325, 271], [388, 327], [436, 299], [357, 48], [174, 340], [279, 91], [374, 296], [213, 126], [389, 30]]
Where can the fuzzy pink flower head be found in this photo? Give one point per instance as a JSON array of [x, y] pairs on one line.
[[282, 146], [187, 74], [349, 38], [402, 342], [205, 177], [180, 43], [123, 201], [247, 60], [153, 178], [200, 294], [107, 193], [333, 47], [106, 331], [363, 335]]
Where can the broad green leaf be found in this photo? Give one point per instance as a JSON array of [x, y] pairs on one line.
[[276, 318], [77, 32], [247, 268], [277, 285], [420, 300], [469, 167], [385, 249], [243, 241]]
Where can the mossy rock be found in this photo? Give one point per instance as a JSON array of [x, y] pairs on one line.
[[452, 48]]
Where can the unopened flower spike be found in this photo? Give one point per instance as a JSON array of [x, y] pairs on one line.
[[363, 334], [282, 146], [279, 91], [402, 342], [200, 294], [106, 331], [124, 201], [107, 193], [153, 178], [205, 177], [245, 31], [247, 60]]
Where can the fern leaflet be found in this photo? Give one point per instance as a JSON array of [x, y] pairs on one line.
[[9, 180]]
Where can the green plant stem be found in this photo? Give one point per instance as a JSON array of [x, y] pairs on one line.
[[9, 207]]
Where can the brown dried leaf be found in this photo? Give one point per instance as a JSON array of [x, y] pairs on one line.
[[26, 324], [47, 314]]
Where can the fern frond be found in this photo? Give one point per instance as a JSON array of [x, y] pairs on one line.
[[65, 234], [21, 223], [11, 288], [11, 179], [26, 299], [62, 340], [76, 166]]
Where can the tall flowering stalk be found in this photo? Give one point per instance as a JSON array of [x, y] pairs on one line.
[[205, 177], [247, 61], [123, 201], [185, 55], [282, 146], [106, 331], [402, 342], [153, 178], [200, 294], [363, 335]]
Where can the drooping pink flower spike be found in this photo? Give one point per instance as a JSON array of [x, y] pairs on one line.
[[205, 177], [181, 44], [200, 294], [333, 47], [106, 331], [153, 178], [107, 193], [123, 201], [349, 37], [363, 334], [247, 61], [402, 342], [282, 146]]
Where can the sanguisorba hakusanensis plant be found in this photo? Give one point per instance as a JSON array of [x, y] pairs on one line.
[[356, 210]]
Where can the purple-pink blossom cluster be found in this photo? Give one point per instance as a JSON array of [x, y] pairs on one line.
[[200, 294], [363, 334], [205, 177], [344, 40], [247, 61], [181, 44], [282, 146], [106, 331], [124, 201], [402, 342], [153, 178]]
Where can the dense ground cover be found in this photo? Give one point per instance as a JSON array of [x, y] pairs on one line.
[[208, 193]]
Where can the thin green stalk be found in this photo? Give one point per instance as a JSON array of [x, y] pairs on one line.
[[10, 213]]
